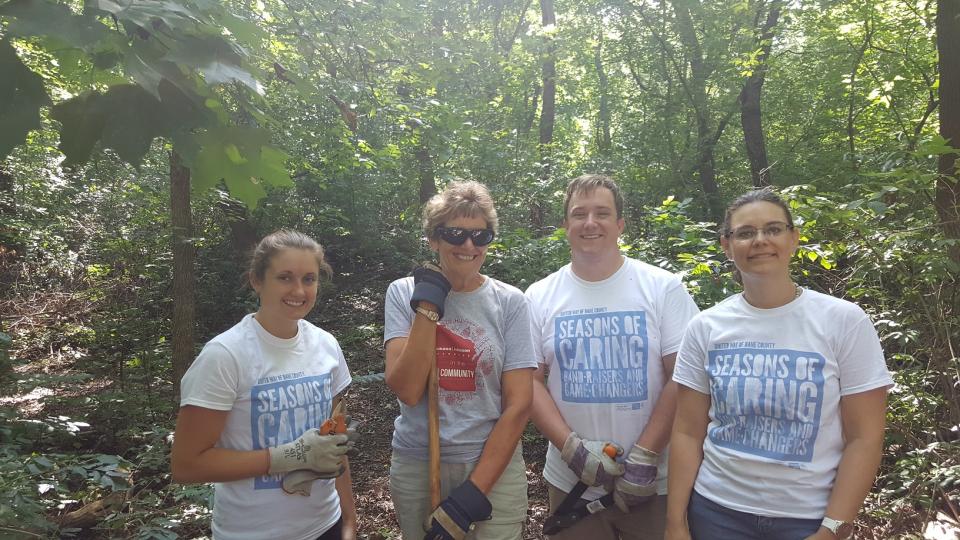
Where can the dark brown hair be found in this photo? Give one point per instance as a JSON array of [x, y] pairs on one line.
[[586, 184], [758, 195], [277, 241]]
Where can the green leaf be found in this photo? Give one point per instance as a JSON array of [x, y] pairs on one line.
[[234, 154], [219, 62], [877, 207], [43, 18], [132, 120], [125, 119], [144, 13], [244, 30], [82, 118], [242, 158], [182, 111], [21, 96]]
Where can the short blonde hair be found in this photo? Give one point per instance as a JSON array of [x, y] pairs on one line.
[[461, 198]]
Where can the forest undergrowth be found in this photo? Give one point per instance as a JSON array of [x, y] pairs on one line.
[[81, 426], [77, 430]]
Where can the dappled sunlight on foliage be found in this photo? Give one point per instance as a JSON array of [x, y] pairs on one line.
[[339, 118]]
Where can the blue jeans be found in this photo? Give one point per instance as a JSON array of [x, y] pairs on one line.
[[711, 521]]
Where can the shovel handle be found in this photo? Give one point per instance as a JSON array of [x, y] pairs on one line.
[[433, 430]]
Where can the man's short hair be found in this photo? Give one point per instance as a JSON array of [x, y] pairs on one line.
[[586, 184]]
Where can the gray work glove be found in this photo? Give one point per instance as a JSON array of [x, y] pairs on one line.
[[312, 451], [300, 482], [589, 462], [639, 481]]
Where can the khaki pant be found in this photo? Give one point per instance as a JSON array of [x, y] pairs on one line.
[[410, 491], [645, 523]]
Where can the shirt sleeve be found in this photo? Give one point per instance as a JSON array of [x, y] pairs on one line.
[[860, 359], [536, 328], [519, 346], [677, 311], [341, 374], [397, 315], [690, 369], [212, 381]]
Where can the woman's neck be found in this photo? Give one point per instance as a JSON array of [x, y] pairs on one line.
[[769, 293], [465, 283], [282, 329]]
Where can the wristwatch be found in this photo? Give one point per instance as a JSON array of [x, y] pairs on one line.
[[432, 315], [840, 529]]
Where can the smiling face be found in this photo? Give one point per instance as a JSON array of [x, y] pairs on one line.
[[763, 256], [288, 290], [463, 261], [593, 227]]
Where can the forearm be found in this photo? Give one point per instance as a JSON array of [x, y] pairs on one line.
[[500, 446], [855, 475], [348, 509], [546, 416], [656, 434], [408, 368], [686, 455], [218, 465]]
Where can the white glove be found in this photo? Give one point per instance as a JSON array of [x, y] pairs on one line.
[[313, 451]]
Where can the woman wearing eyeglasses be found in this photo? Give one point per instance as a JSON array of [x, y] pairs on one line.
[[479, 330], [782, 395]]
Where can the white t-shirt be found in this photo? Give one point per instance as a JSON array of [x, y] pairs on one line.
[[483, 333], [602, 342], [275, 390], [775, 377]]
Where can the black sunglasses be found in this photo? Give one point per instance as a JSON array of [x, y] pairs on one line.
[[457, 235]]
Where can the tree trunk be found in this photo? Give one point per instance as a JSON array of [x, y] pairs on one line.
[[243, 233], [9, 247], [548, 113], [428, 182], [750, 110], [603, 140], [183, 259], [697, 89], [947, 198], [851, 106], [534, 104], [7, 200], [549, 95]]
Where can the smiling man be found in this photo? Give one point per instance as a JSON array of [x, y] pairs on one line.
[[606, 330]]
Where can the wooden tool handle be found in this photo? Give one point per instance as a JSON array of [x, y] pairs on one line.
[[433, 429]]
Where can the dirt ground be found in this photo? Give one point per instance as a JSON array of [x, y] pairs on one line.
[[352, 314], [374, 407]]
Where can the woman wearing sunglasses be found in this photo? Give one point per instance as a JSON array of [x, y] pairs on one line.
[[782, 395], [479, 330]]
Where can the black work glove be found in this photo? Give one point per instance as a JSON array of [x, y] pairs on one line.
[[452, 519], [429, 285]]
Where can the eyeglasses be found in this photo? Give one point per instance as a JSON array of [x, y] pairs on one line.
[[748, 234], [457, 235]]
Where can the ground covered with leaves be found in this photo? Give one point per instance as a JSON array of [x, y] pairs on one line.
[[85, 436], [85, 431]]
